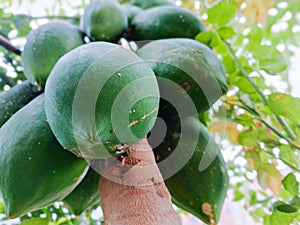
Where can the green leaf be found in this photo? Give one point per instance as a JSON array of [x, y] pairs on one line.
[[229, 64], [226, 32], [287, 154], [284, 207], [222, 12], [255, 36], [238, 195], [273, 65], [280, 218], [290, 184], [248, 138], [35, 221], [271, 170], [205, 37], [268, 57], [295, 202], [262, 178], [285, 105]]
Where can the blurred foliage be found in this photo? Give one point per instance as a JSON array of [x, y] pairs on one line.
[[261, 120]]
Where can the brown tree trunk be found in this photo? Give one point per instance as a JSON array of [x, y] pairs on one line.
[[134, 193]]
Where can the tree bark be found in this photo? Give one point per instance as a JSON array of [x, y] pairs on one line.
[[133, 192]]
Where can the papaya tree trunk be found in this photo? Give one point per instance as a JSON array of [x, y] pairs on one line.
[[137, 194]]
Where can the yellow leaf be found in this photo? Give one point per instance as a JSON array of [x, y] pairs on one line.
[[256, 10], [274, 183], [218, 127], [233, 133]]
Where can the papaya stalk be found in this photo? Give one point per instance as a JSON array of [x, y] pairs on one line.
[[137, 194]]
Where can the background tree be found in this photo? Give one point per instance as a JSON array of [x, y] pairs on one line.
[[255, 41]]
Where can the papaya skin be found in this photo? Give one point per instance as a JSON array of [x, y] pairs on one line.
[[94, 98], [15, 98], [200, 193], [35, 170], [146, 4], [164, 22], [131, 11], [137, 195], [193, 66], [45, 45], [104, 20], [85, 195]]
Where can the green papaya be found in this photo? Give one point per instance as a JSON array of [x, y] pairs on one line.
[[131, 12], [86, 194], [104, 20], [15, 98], [45, 45], [194, 68], [165, 22], [145, 4], [35, 171], [201, 193], [101, 98]]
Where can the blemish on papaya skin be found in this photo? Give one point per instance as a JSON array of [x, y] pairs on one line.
[[207, 210], [187, 86], [143, 118], [133, 123]]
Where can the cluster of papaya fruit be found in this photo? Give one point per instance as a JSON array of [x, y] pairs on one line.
[[87, 97]]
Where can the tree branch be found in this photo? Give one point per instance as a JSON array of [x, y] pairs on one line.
[[8, 46]]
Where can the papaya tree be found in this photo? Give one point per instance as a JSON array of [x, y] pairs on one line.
[[134, 105]]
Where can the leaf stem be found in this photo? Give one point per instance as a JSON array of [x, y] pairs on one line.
[[283, 123], [258, 117], [284, 161]]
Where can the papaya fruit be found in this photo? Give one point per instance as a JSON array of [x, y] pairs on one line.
[[199, 192], [146, 4], [101, 98], [199, 75], [45, 45], [35, 171], [131, 11], [104, 20], [15, 98], [85, 195], [164, 22]]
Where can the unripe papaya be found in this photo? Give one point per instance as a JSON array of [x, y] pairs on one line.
[[201, 193], [45, 45], [145, 4], [131, 12], [104, 20], [86, 194], [165, 22], [15, 98], [35, 171], [101, 98], [192, 66]]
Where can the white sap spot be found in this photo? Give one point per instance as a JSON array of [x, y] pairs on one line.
[[29, 158]]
